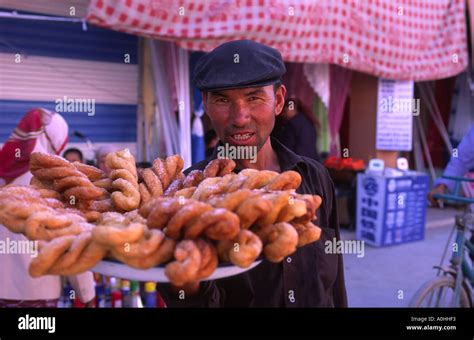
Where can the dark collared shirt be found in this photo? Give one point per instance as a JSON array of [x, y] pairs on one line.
[[308, 278]]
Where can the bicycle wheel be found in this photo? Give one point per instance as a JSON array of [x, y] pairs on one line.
[[439, 293]]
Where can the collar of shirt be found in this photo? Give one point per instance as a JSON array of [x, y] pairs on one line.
[[288, 159]]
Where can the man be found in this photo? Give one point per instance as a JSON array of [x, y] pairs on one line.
[[242, 95], [73, 155], [101, 155], [458, 166]]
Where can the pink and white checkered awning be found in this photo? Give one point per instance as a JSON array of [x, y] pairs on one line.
[[404, 39]]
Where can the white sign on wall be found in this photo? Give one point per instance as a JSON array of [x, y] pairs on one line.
[[395, 110]]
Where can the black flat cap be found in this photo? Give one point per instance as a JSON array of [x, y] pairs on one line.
[[239, 64]]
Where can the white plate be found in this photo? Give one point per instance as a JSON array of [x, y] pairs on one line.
[[157, 274]]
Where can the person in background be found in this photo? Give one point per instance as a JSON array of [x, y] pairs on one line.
[[459, 165], [296, 131], [43, 131], [73, 155], [100, 155], [210, 138]]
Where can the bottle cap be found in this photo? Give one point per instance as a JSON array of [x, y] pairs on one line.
[[134, 286], [150, 287], [125, 284]]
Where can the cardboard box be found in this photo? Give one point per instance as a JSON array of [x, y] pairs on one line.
[[343, 211], [391, 210]]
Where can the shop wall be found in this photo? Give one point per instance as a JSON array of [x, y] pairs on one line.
[[362, 116], [61, 60], [363, 119]]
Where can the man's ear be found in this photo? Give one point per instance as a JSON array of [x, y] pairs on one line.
[[280, 99]]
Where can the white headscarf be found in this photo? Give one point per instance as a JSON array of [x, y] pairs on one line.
[[55, 136]]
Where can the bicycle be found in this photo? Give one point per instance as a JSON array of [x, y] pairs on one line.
[[457, 279]]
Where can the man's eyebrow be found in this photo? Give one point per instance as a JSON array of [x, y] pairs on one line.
[[218, 93], [254, 92]]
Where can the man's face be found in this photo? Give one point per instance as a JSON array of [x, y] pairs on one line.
[[244, 116], [102, 165], [73, 157]]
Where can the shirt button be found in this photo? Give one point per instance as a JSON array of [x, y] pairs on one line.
[[288, 259]]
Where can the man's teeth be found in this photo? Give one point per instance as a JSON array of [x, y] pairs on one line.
[[242, 136]]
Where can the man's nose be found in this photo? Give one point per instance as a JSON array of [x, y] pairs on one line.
[[240, 114]]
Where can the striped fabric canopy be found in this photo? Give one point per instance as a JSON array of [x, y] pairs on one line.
[[405, 39]]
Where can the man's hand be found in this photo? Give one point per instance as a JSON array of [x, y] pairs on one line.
[[439, 189]]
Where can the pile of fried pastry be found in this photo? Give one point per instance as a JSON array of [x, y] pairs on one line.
[[157, 216]]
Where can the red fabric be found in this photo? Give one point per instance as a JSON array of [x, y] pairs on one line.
[[338, 163], [28, 304], [403, 40], [339, 84], [15, 154], [298, 87]]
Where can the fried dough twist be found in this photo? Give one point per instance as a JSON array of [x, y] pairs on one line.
[[165, 174], [57, 173], [23, 210], [131, 242], [194, 260], [190, 219], [67, 255], [125, 180]]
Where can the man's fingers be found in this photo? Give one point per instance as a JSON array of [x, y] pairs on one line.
[[431, 198], [439, 190]]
